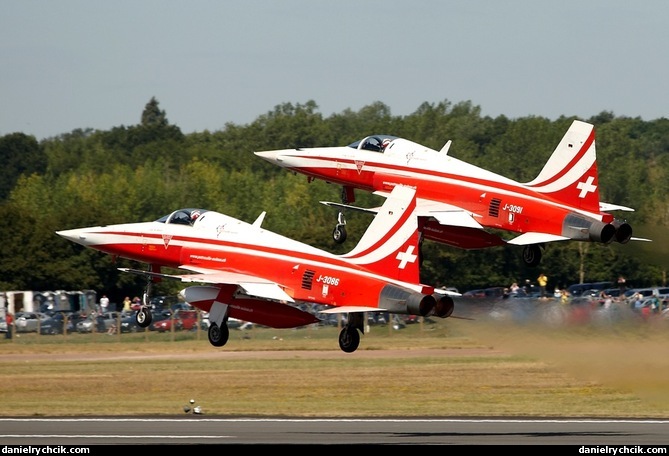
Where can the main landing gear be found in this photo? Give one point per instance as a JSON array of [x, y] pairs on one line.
[[339, 232], [144, 317], [349, 337], [218, 335]]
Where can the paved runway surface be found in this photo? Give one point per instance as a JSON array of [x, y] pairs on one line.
[[210, 430]]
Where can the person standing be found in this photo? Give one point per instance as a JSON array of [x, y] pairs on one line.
[[127, 303], [542, 280], [9, 319], [104, 303]]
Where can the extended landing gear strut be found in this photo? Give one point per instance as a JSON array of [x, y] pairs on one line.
[[339, 232], [144, 315], [349, 337]]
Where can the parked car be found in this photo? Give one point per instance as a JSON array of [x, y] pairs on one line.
[[157, 317], [163, 302], [577, 289], [189, 319], [129, 323], [29, 321], [492, 292], [661, 292], [183, 320], [56, 324], [98, 322]]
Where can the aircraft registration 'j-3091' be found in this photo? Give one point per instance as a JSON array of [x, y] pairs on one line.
[[245, 272], [465, 206]]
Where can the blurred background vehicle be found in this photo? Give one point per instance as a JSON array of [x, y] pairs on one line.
[[25, 322], [98, 322], [129, 323], [181, 320], [58, 323]]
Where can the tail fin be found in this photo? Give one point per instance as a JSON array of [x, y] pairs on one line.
[[570, 175], [390, 246]]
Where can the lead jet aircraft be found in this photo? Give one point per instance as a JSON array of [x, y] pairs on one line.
[[246, 272], [465, 206]]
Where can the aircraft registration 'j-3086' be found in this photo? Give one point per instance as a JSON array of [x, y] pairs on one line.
[[465, 206], [246, 272]]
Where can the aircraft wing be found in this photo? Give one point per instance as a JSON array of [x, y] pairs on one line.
[[347, 309], [370, 210], [536, 238], [251, 285], [445, 214]]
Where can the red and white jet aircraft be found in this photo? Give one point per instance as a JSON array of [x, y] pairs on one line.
[[459, 203], [251, 274]]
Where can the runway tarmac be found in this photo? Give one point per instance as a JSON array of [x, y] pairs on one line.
[[196, 430]]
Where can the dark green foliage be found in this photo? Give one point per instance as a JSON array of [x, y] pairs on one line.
[[142, 172], [20, 154]]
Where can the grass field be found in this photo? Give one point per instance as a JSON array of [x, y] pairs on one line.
[[455, 367]]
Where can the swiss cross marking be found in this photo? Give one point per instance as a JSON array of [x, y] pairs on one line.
[[586, 187], [406, 257], [359, 164]]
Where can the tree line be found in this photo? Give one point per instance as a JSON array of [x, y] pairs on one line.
[[141, 172]]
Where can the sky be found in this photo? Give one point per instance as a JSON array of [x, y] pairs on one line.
[[77, 64]]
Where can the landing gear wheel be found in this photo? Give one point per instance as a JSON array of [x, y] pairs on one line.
[[339, 234], [218, 335], [532, 255], [144, 317], [349, 339]]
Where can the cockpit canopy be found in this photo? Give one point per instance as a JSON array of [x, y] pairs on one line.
[[186, 216], [374, 143]]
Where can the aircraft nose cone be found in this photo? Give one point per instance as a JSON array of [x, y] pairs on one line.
[[76, 235], [271, 156]]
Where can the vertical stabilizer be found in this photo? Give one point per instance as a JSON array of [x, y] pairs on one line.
[[570, 175], [390, 246]]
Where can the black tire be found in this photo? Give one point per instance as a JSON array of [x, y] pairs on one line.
[[143, 317], [339, 234], [349, 339], [532, 255], [218, 335]]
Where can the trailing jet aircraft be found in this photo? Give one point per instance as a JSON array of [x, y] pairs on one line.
[[245, 272], [465, 206]]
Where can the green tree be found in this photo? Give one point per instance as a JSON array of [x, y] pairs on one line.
[[153, 116], [20, 154]]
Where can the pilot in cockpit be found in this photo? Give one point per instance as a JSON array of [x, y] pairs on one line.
[[385, 143]]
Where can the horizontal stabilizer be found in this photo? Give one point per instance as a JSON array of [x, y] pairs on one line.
[[444, 291], [613, 207]]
